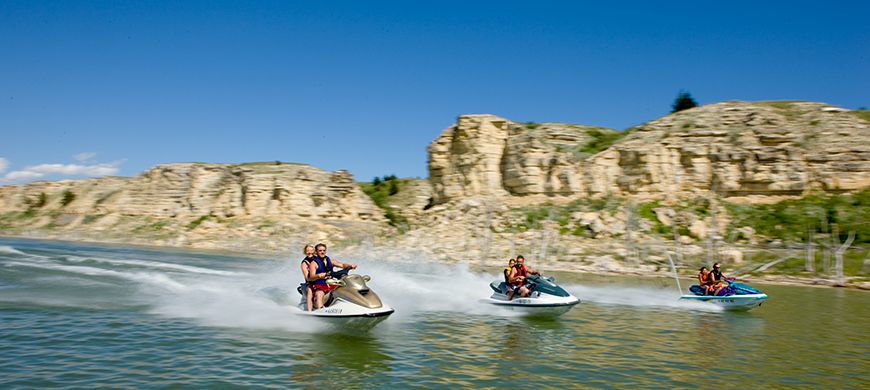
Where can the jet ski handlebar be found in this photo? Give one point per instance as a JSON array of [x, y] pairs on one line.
[[334, 278]]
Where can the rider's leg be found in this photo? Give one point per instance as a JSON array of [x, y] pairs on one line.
[[318, 298], [524, 292], [309, 296]]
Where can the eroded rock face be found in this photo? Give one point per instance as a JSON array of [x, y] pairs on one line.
[[734, 149], [485, 155], [272, 191], [466, 159]]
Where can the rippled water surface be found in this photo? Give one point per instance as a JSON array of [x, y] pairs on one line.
[[86, 315]]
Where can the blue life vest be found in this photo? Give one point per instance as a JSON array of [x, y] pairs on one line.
[[321, 268]]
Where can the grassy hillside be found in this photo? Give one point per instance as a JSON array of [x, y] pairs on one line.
[[397, 196]]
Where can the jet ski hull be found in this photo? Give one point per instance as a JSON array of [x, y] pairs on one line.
[[543, 305], [347, 314], [730, 302]]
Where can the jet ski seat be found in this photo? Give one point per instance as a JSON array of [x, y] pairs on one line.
[[498, 287]]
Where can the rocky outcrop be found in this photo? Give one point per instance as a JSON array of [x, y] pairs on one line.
[[485, 155], [733, 149], [190, 202], [191, 190]]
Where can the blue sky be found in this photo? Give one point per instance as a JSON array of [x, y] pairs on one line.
[[115, 88]]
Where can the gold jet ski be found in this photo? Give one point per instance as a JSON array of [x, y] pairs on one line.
[[352, 302]]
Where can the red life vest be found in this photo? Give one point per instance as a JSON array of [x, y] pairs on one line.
[[521, 271]]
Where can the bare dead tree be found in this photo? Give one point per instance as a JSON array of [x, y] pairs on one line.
[[784, 257], [826, 252], [678, 246], [485, 235], [630, 256], [810, 250], [545, 238], [839, 255]]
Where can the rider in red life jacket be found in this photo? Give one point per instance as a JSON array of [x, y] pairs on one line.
[[705, 280], [319, 271], [517, 279]]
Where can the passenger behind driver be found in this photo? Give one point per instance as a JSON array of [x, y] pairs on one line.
[[306, 264], [507, 275], [705, 280]]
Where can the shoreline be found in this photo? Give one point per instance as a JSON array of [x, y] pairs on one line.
[[777, 279]]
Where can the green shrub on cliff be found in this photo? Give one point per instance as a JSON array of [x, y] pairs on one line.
[[789, 220], [381, 192], [197, 222], [862, 113], [533, 216], [40, 201], [602, 140], [68, 197]]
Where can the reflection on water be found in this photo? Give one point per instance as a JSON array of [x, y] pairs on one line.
[[83, 315]]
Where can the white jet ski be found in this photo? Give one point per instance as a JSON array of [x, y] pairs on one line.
[[351, 303], [735, 296], [547, 299]]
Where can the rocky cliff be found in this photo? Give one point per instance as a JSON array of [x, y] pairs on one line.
[[733, 149], [189, 203]]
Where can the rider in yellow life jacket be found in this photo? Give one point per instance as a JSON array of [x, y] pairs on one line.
[[507, 271]]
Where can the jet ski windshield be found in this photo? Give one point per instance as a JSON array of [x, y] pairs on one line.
[[547, 286]]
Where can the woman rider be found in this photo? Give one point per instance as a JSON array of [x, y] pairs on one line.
[[507, 275], [306, 265]]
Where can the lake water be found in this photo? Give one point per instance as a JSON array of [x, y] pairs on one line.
[[76, 315]]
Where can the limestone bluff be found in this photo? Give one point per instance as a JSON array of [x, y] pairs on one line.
[[479, 168], [732, 149], [235, 206]]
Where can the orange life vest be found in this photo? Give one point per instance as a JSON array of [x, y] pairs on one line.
[[521, 271]]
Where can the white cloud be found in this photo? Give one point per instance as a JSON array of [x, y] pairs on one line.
[[4, 165], [22, 176], [84, 156], [37, 172]]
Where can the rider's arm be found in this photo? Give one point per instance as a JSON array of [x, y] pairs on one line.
[[306, 270], [343, 265], [313, 276], [513, 278]]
